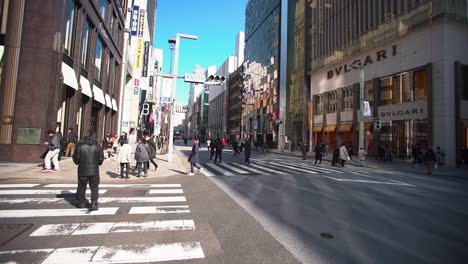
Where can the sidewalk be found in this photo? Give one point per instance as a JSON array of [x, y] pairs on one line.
[[399, 165], [108, 170]]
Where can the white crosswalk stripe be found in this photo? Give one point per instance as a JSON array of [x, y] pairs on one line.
[[217, 168], [248, 168], [51, 222]]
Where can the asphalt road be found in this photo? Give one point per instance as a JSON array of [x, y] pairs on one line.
[[348, 215]]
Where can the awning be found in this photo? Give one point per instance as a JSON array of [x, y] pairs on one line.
[[69, 76], [114, 105], [98, 95], [317, 128], [345, 127], [85, 87], [108, 101], [330, 128], [367, 126]]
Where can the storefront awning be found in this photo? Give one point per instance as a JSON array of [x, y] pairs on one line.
[[108, 101], [85, 87], [114, 105], [345, 127], [317, 128], [69, 76], [99, 95], [330, 128]]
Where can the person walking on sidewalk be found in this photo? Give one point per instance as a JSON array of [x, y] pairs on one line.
[[248, 151], [142, 156], [52, 155], [109, 143], [362, 157], [318, 154], [152, 147], [219, 150], [124, 157], [430, 159], [344, 156], [193, 158], [88, 156], [71, 143], [212, 148]]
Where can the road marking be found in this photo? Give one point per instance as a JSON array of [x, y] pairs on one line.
[[102, 200], [140, 253], [112, 227], [39, 191], [282, 164], [248, 168], [267, 169], [178, 209], [18, 185], [118, 185], [368, 181], [235, 169], [166, 191], [56, 212], [207, 172], [318, 168], [223, 171]]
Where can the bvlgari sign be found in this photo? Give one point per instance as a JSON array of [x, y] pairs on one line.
[[370, 59], [406, 111]]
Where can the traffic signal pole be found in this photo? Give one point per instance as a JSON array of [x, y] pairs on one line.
[[361, 108]]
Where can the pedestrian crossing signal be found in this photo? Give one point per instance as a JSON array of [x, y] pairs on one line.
[[377, 125]]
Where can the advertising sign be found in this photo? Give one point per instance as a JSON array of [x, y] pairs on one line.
[[405, 111], [134, 23], [367, 110], [141, 23], [139, 53], [145, 60]]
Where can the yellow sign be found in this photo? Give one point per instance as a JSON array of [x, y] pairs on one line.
[[139, 53]]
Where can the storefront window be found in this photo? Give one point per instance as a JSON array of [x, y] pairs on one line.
[[319, 104], [402, 135], [332, 102], [405, 87], [421, 85], [98, 60], [386, 88], [348, 98], [70, 28]]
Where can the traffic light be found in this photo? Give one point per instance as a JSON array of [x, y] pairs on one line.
[[145, 109], [377, 125], [216, 78]]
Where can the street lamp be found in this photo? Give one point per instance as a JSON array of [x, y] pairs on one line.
[[174, 86], [361, 102]]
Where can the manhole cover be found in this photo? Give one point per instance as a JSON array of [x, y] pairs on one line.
[[326, 235], [9, 232]]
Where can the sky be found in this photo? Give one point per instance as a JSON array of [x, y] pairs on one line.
[[215, 22]]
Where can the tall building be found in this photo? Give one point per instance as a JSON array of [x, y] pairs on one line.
[[234, 103], [261, 71], [195, 90], [61, 68], [414, 64], [240, 47]]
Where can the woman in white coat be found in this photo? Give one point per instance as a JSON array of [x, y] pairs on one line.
[[343, 154], [124, 157]]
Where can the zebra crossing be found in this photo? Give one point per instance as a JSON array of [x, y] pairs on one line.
[[161, 208]]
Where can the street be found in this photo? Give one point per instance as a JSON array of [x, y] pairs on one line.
[[349, 215]]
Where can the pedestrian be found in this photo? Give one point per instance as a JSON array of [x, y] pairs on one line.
[[124, 157], [152, 148], [193, 158], [219, 151], [234, 147], [185, 141], [336, 156], [62, 144], [440, 156], [71, 143], [303, 147], [362, 156], [109, 143], [52, 155], [88, 156], [248, 151], [318, 154], [115, 146], [208, 144], [212, 148], [344, 156], [381, 153], [142, 156], [388, 154], [430, 159]]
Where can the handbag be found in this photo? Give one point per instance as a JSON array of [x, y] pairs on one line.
[[349, 158]]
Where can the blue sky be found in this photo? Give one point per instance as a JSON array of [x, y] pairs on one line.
[[215, 22]]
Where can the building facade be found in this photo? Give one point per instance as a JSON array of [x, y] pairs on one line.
[[60, 69], [413, 59], [234, 103], [260, 112]]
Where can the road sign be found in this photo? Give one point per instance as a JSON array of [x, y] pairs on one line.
[[194, 78]]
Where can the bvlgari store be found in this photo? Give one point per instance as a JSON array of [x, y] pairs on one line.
[[414, 86]]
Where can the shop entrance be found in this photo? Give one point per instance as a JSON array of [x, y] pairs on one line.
[[402, 135]]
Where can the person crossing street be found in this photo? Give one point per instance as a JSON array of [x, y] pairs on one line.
[[194, 157]]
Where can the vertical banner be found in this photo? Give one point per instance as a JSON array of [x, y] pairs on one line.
[[134, 23], [141, 23], [139, 52], [145, 60]]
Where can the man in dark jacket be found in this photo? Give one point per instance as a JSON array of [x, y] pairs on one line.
[[248, 150], [193, 158], [88, 156], [152, 147], [318, 154], [219, 150]]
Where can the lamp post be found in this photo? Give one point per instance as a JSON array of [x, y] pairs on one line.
[[361, 103], [173, 91]]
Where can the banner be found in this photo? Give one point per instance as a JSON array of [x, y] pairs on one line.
[[141, 23], [134, 22], [145, 60], [139, 52], [367, 110]]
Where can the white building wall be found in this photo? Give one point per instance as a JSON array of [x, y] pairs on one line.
[[240, 46]]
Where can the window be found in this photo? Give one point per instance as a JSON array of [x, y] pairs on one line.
[[421, 88], [70, 27], [103, 8], [386, 91], [348, 98], [332, 102], [85, 46], [98, 60], [319, 104]]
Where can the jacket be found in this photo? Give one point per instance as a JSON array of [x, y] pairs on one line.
[[72, 138], [194, 154], [152, 147], [125, 154], [88, 156], [362, 154], [54, 143], [142, 153], [248, 148], [343, 153], [431, 156]]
